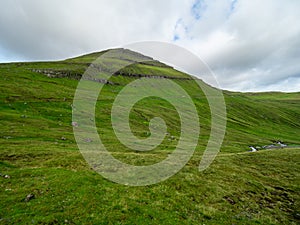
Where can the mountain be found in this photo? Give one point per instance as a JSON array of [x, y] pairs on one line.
[[39, 155]]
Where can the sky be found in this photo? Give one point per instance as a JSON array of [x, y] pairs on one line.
[[250, 45]]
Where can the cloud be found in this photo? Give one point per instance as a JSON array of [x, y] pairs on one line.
[[55, 29], [250, 45]]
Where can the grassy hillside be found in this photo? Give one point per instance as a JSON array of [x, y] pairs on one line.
[[39, 153]]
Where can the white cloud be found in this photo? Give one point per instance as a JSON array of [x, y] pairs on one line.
[[250, 45]]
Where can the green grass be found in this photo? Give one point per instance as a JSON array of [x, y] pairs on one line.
[[39, 153]]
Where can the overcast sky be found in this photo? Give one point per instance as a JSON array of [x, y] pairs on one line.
[[251, 45]]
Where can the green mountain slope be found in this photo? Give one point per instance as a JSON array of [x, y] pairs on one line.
[[39, 153]]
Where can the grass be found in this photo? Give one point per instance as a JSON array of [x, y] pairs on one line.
[[39, 153]]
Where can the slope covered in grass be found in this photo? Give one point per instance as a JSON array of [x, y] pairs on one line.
[[39, 153]]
